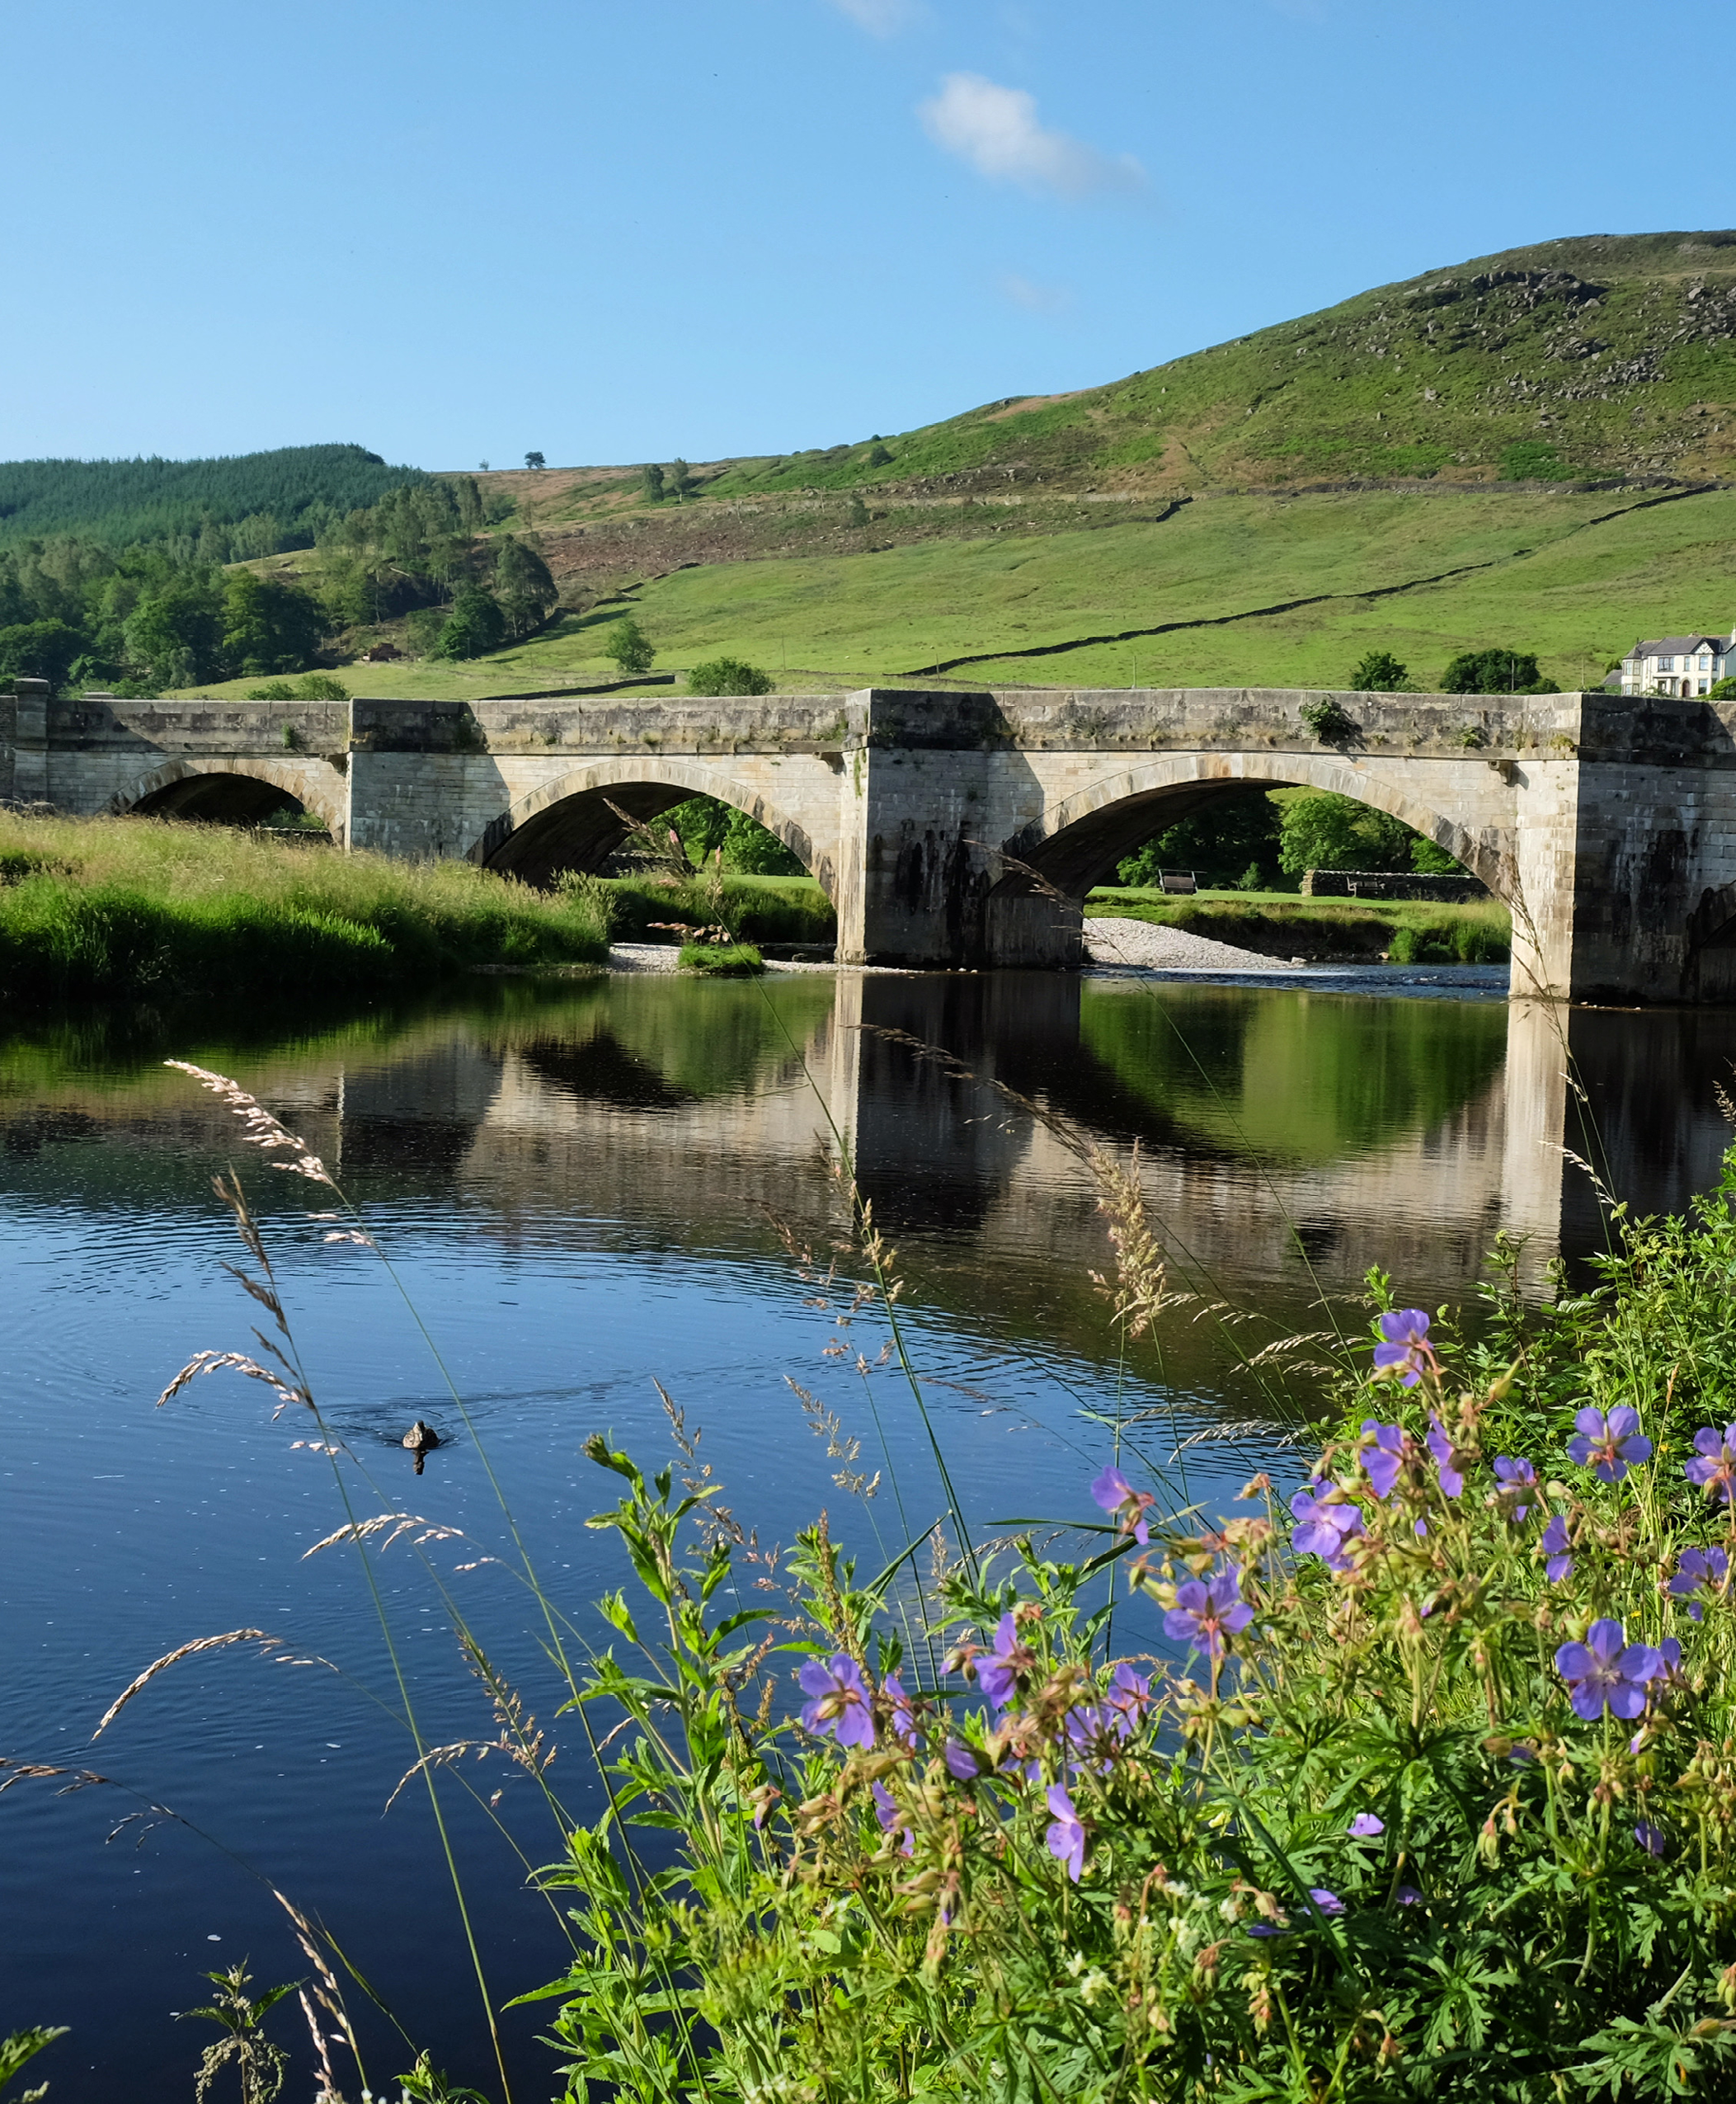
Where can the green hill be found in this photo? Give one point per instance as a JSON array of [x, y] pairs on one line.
[[118, 502], [1582, 360]]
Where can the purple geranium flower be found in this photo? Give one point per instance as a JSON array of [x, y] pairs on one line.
[[1205, 1615], [1555, 1547], [1607, 1445], [840, 1702], [1607, 1673], [904, 1721], [1408, 1896], [1515, 1477], [1383, 1450], [998, 1672], [891, 1819], [1329, 1903], [1116, 1495], [1714, 1467], [1651, 1837], [1266, 1929], [1067, 1836], [964, 1764], [1404, 1349], [1441, 1447], [1128, 1699], [1326, 1524], [1365, 1826], [1697, 1571]]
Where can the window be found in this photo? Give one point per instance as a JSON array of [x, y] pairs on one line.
[[1666, 665], [1704, 685]]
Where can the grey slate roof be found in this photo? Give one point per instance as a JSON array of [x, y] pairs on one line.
[[1678, 646]]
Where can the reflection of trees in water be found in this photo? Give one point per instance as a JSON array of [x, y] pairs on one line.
[[1294, 1077]]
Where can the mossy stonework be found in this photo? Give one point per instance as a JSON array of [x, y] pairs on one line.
[[965, 829]]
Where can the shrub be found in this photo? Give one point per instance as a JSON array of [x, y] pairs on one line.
[[1380, 672], [728, 676], [1429, 1793], [1327, 720], [629, 645], [721, 960]]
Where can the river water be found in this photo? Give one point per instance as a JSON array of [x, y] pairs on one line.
[[586, 1189]]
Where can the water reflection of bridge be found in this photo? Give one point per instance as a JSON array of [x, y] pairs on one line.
[[591, 1120], [1412, 1130]]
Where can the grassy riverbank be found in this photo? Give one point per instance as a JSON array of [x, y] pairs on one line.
[[758, 909], [125, 908], [1281, 924]]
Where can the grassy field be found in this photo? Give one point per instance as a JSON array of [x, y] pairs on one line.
[[104, 908], [1556, 574], [1280, 924]]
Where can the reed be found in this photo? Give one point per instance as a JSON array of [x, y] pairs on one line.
[[105, 908]]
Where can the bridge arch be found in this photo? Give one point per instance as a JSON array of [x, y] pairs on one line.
[[240, 790], [1081, 837], [567, 823]]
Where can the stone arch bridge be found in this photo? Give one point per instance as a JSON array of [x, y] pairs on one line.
[[964, 830]]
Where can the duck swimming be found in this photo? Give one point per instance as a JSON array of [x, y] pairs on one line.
[[420, 1439]]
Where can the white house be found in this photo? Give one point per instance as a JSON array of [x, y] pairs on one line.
[[1678, 665]]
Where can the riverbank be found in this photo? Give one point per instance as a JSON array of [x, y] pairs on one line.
[[101, 909], [1285, 926]]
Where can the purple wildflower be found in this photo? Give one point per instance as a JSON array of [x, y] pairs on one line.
[[1404, 1349], [964, 1764], [998, 1671], [1651, 1837], [1205, 1615], [1129, 1697], [1713, 1468], [1329, 1903], [1442, 1448], [1607, 1445], [1383, 1451], [1555, 1547], [904, 1720], [1365, 1826], [1327, 1524], [1698, 1569], [1607, 1673], [1514, 1477], [1117, 1496], [1408, 1896], [1067, 1836], [840, 1702], [1670, 1652], [1266, 1929], [891, 1819]]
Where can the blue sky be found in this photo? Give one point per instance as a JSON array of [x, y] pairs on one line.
[[453, 231]]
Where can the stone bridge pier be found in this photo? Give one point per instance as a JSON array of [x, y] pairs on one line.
[[958, 830]]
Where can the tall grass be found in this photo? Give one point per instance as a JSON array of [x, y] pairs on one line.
[[101, 908]]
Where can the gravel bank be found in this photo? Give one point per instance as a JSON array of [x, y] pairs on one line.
[[1145, 946]]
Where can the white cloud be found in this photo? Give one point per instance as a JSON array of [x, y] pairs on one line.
[[1035, 299], [995, 129], [878, 18]]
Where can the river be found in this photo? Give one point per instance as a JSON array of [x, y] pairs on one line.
[[584, 1189]]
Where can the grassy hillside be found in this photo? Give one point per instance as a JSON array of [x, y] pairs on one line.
[[1600, 356], [1576, 576], [116, 502]]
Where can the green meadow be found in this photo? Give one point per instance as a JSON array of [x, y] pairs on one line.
[[1553, 573]]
